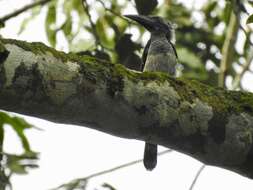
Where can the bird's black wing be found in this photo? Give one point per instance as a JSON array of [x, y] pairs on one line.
[[145, 54]]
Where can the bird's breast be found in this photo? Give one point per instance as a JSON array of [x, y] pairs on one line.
[[159, 46], [161, 57]]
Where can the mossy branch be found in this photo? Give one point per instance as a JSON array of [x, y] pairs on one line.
[[210, 124]]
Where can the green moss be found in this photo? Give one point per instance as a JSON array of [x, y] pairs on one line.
[[145, 77], [158, 76], [37, 48], [96, 70], [232, 101], [223, 101], [40, 48]]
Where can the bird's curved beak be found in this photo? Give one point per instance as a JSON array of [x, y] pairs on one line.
[[145, 21]]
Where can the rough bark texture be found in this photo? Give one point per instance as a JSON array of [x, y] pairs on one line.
[[210, 124]]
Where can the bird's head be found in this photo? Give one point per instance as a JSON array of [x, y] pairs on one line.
[[153, 24]]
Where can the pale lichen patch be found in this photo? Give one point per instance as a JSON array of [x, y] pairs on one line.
[[239, 132], [168, 104], [156, 102], [194, 117], [237, 143], [60, 78], [203, 113], [72, 66], [150, 93], [129, 92], [56, 76], [14, 60]]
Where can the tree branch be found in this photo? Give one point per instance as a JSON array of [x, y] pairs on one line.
[[210, 124], [197, 176], [93, 26], [21, 10], [228, 48]]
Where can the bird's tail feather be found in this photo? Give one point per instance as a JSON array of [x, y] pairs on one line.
[[150, 156]]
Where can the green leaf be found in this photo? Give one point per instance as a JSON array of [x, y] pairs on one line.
[[101, 27], [193, 66], [35, 12], [4, 118], [67, 7], [73, 5], [250, 19], [82, 44], [67, 26], [225, 15], [50, 24], [145, 7], [189, 57], [108, 186], [18, 125], [72, 185], [209, 7], [20, 163], [77, 6]]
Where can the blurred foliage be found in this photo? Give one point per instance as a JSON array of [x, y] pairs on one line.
[[99, 29], [12, 163], [50, 23]]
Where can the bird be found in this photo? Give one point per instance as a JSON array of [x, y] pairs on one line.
[[159, 55]]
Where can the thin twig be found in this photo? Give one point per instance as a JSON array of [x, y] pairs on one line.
[[122, 166], [84, 179], [93, 27], [86, 8], [228, 48], [111, 11], [23, 9], [197, 176]]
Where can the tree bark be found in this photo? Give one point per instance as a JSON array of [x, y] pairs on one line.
[[210, 124]]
